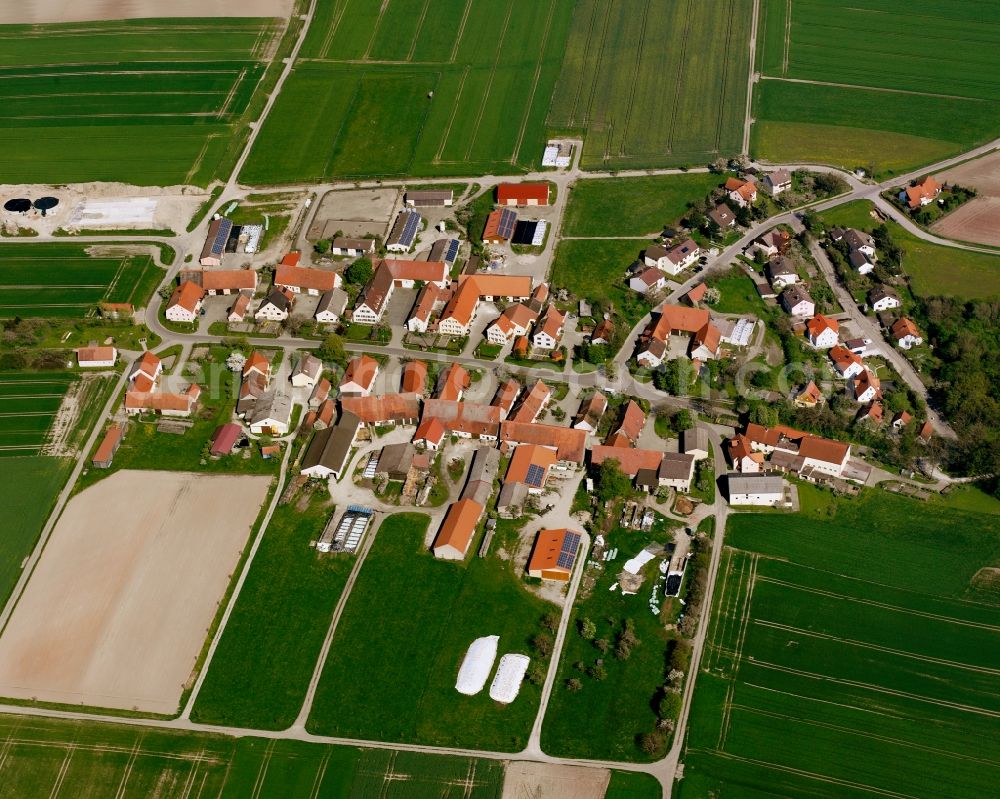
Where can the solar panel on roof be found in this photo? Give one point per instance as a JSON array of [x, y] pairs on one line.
[[410, 229], [222, 235], [567, 554], [535, 475], [451, 253], [507, 220]]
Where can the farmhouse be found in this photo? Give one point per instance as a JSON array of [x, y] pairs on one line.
[[742, 455], [331, 306], [430, 198], [905, 333], [240, 308], [452, 382], [554, 554], [920, 194], [741, 192], [359, 377], [307, 371], [530, 465], [523, 194], [391, 274], [694, 442], [166, 403], [873, 414], [777, 182], [271, 415], [305, 279], [499, 226], [765, 490], [414, 378], [430, 434], [823, 332], [464, 419], [796, 301], [549, 332], [353, 248], [95, 357], [222, 281], [532, 403], [506, 396], [882, 298], [329, 451], [809, 396], [457, 529], [184, 304], [590, 413], [257, 364], [395, 461], [215, 242], [389, 409], [276, 306], [456, 318], [504, 287], [678, 320], [649, 468], [403, 235], [109, 446], [629, 426], [792, 450], [430, 299], [374, 297], [570, 444], [145, 372], [515, 320], [861, 262]]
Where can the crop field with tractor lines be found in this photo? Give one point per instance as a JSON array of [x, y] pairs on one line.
[[151, 102], [875, 85], [391, 90], [63, 280], [653, 84], [851, 655]]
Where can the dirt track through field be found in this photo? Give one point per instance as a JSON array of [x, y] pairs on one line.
[[118, 608], [37, 12]]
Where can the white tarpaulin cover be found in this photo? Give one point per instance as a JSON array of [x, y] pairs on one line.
[[477, 665], [507, 682], [634, 565]]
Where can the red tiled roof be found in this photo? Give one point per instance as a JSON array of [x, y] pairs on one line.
[[453, 381], [904, 327], [84, 354], [231, 279], [459, 525], [548, 549], [633, 420], [257, 363], [108, 444], [291, 259], [532, 403], [305, 277], [414, 377], [678, 318], [386, 408], [630, 460], [362, 371], [430, 430], [819, 323], [225, 438], [187, 295], [425, 271], [570, 444], [521, 193], [526, 456]]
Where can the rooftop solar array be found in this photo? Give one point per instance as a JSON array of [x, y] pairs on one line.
[[535, 476], [221, 236], [451, 253], [409, 229], [507, 220], [567, 555]]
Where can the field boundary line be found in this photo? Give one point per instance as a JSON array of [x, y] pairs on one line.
[[192, 776], [375, 30], [416, 33], [679, 82], [809, 774], [877, 648], [343, 124], [460, 32], [751, 75], [454, 114], [879, 689], [597, 67], [786, 51], [725, 75], [725, 610], [534, 83], [120, 793], [324, 764], [884, 605], [635, 80], [61, 774], [579, 85], [873, 736], [717, 621], [328, 39], [258, 785], [738, 654], [885, 89], [489, 84]]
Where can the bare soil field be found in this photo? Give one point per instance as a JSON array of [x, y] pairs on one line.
[[979, 219], [525, 780], [355, 212], [118, 608], [37, 12]]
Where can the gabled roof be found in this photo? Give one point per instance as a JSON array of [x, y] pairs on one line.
[[928, 189], [187, 295], [242, 304], [321, 391], [530, 464], [147, 365], [377, 290], [882, 293], [679, 252], [362, 371], [532, 402], [793, 295], [570, 444], [305, 277], [395, 408], [709, 337], [428, 297], [604, 331], [819, 324], [518, 315], [332, 446], [257, 363], [224, 438], [499, 224], [291, 259], [414, 377], [810, 394], [555, 551], [518, 286], [696, 294], [721, 215], [521, 193], [278, 298], [464, 417], [228, 279], [84, 354], [632, 421], [678, 318], [506, 395], [904, 327], [453, 381], [630, 460], [462, 305], [459, 525], [649, 276], [417, 271], [430, 430], [867, 379], [333, 301], [824, 449], [843, 358], [592, 410], [551, 323]]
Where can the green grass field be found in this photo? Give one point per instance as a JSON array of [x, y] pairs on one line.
[[366, 73], [875, 85], [653, 83], [595, 206], [45, 757], [62, 280], [261, 669], [852, 653], [28, 404], [151, 102], [933, 270], [31, 484], [406, 627]]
